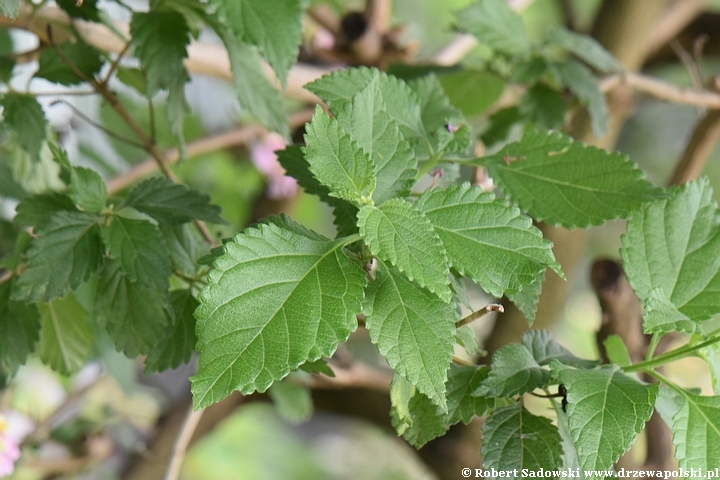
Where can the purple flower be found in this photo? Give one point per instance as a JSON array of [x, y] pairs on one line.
[[263, 157]]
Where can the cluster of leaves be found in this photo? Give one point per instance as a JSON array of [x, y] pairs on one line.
[[279, 297]]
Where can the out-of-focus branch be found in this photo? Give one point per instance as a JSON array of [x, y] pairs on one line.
[[181, 443], [702, 143], [355, 375], [672, 22], [661, 90]]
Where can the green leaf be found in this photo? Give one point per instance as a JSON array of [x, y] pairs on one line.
[[493, 23], [19, 326], [462, 404], [255, 91], [606, 410], [274, 26], [24, 115], [545, 349], [662, 316], [696, 432], [435, 106], [543, 106], [286, 222], [293, 402], [337, 161], [423, 422], [711, 355], [500, 125], [585, 47], [376, 133], [293, 161], [184, 248], [87, 10], [467, 339], [403, 105], [138, 247], [401, 391], [581, 82], [172, 204], [413, 329], [66, 337], [10, 8], [514, 371], [513, 438], [63, 256], [36, 211], [401, 234], [178, 343], [561, 181], [53, 68], [472, 91], [617, 351], [136, 317], [133, 77], [682, 256], [87, 189], [488, 240], [318, 366], [526, 300], [255, 320]]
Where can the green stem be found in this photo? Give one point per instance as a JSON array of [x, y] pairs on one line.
[[670, 356], [662, 378], [350, 239], [653, 345]]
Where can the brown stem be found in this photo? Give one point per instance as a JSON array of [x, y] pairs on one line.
[[702, 143], [493, 307]]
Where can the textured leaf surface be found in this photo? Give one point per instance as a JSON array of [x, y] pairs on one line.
[[36, 211], [179, 342], [674, 244], [54, 69], [24, 115], [514, 371], [581, 82], [136, 317], [467, 339], [19, 326], [488, 240], [401, 234], [87, 189], [138, 247], [585, 47], [184, 247], [661, 316], [293, 402], [526, 299], [696, 432], [337, 161], [172, 204], [376, 133], [606, 410], [462, 404], [66, 337], [67, 251], [513, 438], [544, 349], [496, 25], [403, 105], [422, 423], [255, 321], [413, 329], [274, 26], [561, 181], [435, 106], [10, 8]]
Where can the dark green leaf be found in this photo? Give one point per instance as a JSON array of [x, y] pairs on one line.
[[255, 323], [543, 106], [66, 337], [514, 371], [472, 91], [562, 181], [184, 248], [463, 406], [585, 47], [36, 211], [19, 326], [7, 62], [87, 10], [493, 23], [545, 349], [67, 251], [87, 189], [139, 250], [24, 115], [172, 204], [286, 222], [501, 123], [178, 344], [581, 82], [53, 68], [513, 438]]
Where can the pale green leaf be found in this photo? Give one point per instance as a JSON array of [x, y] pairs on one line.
[[318, 366], [513, 438], [87, 189], [585, 47], [435, 107], [178, 343], [674, 244], [494, 24], [544, 349], [337, 161], [514, 371], [10, 8], [606, 411], [170, 203], [472, 91], [486, 239], [617, 351], [63, 256], [66, 336], [413, 329], [54, 69], [403, 105], [467, 339], [398, 232], [581, 82], [256, 322], [561, 181], [526, 300], [401, 391], [293, 402], [24, 115], [711, 355], [274, 26], [424, 422], [696, 432], [662, 316], [135, 316], [19, 326], [184, 247], [379, 136], [138, 247]]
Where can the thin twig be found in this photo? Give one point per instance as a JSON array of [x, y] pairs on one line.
[[92, 122], [182, 442], [661, 90], [493, 307], [672, 22], [65, 58], [702, 143], [114, 65]]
